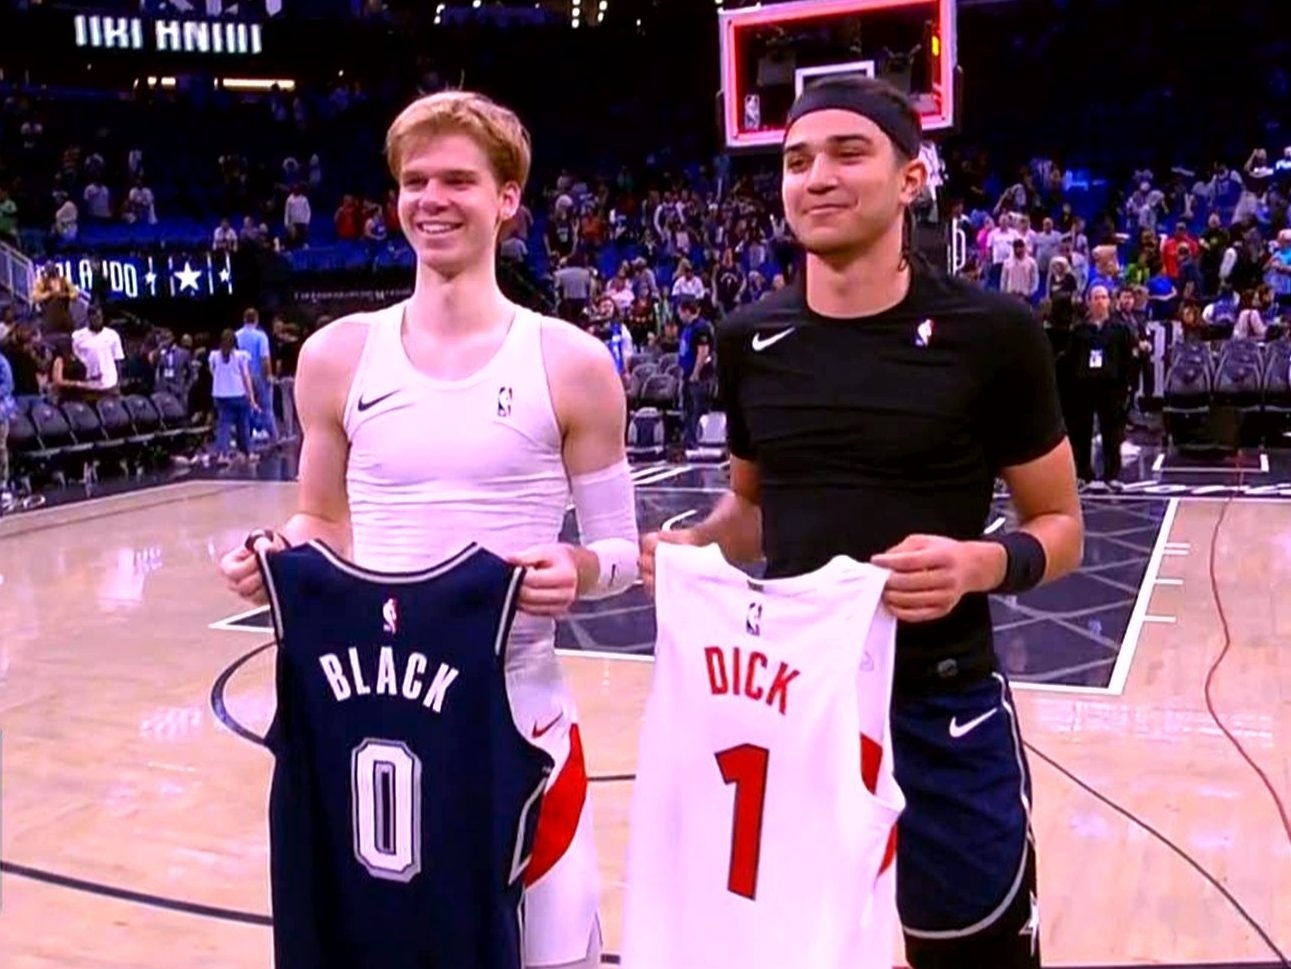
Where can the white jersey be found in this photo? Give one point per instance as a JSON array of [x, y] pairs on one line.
[[763, 817], [435, 465]]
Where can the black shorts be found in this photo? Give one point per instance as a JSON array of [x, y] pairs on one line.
[[966, 865]]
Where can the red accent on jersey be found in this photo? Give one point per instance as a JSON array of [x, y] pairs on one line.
[[871, 761], [562, 806]]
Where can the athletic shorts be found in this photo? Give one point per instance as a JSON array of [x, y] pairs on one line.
[[966, 876]]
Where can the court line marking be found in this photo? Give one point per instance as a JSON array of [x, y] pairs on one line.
[[1158, 467], [1165, 619], [672, 522], [1147, 585], [1164, 581], [87, 510], [228, 623], [266, 921]]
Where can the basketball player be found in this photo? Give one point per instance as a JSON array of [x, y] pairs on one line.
[[457, 417], [870, 408]]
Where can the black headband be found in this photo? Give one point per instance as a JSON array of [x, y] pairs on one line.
[[892, 119]]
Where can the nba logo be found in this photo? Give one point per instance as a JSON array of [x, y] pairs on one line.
[[390, 617], [923, 335], [753, 619], [752, 112], [504, 402]]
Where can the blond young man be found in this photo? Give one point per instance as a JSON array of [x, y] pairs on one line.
[[457, 416]]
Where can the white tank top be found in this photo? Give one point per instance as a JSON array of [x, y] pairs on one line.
[[436, 464], [762, 823]]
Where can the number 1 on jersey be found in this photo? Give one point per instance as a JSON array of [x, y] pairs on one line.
[[745, 766]]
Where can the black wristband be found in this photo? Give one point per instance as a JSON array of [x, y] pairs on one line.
[[258, 533], [1025, 563]]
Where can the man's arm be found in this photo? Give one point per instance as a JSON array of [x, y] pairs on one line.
[[323, 377], [592, 409], [735, 523], [1047, 503]]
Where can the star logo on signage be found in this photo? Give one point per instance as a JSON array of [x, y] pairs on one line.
[[187, 277]]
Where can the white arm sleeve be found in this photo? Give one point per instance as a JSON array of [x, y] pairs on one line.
[[605, 505]]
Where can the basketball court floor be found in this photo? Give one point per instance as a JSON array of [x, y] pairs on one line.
[[134, 690]]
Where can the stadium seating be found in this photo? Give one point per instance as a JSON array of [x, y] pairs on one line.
[[1236, 395], [72, 441]]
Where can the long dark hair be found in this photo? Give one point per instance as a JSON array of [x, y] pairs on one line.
[[228, 343]]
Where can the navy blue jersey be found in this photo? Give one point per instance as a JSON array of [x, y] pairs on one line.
[[404, 799]]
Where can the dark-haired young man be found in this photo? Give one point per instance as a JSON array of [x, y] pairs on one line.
[[870, 408]]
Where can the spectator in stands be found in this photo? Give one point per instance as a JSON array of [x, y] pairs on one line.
[[1107, 269], [98, 201], [173, 365], [727, 282], [53, 295], [140, 204], [754, 288], [1046, 245], [67, 376], [254, 342], [1187, 277], [619, 289], [687, 284], [1192, 323], [695, 357], [286, 356], [573, 285], [234, 396], [1211, 246], [66, 223], [8, 218], [374, 228], [1141, 268], [254, 234], [1063, 290], [1170, 250], [643, 320], [1250, 324], [599, 315], [644, 283], [8, 408], [562, 234], [999, 242], [349, 220], [1277, 274], [98, 346], [1020, 276], [224, 239], [1078, 239], [296, 216], [17, 347]]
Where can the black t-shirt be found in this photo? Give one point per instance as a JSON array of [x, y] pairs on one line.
[[1102, 355], [26, 382], [865, 431]]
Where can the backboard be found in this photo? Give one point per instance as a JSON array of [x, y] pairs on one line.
[[771, 52]]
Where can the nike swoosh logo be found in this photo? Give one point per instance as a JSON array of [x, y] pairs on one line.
[[366, 404], [958, 730], [761, 342], [539, 731]]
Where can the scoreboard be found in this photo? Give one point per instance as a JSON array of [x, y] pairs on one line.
[[197, 275]]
